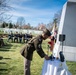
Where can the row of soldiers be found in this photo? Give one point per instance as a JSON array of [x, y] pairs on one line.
[[19, 37]]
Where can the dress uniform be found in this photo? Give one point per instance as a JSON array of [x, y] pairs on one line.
[[20, 37], [10, 37], [16, 37], [30, 47]]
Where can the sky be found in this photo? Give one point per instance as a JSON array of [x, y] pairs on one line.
[[35, 11]]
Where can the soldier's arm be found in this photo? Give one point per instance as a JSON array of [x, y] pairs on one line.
[[38, 48]]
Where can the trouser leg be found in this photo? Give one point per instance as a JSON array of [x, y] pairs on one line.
[[14, 39], [17, 40], [23, 40], [20, 40], [27, 64]]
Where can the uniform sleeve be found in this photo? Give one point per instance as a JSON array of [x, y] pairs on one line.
[[38, 48]]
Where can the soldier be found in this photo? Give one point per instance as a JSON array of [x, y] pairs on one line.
[[32, 45], [10, 36], [25, 37], [16, 37], [20, 37]]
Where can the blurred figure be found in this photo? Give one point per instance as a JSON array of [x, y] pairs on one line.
[[20, 37], [1, 41], [51, 43], [55, 35], [16, 37], [51, 47], [10, 37], [27, 37]]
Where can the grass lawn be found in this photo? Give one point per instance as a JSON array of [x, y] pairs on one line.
[[12, 63]]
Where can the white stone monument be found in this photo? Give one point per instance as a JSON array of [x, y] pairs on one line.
[[68, 27]]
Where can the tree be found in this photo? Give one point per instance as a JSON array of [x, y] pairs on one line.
[[10, 25], [56, 20], [49, 26], [3, 25], [4, 7], [20, 21], [57, 17], [41, 26]]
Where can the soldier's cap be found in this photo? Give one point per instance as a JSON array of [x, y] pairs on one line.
[[46, 32]]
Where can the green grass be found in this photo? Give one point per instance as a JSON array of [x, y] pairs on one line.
[[12, 63], [1, 32]]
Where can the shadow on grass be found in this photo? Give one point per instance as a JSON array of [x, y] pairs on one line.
[[3, 71], [4, 58], [8, 46], [7, 58], [1, 57], [3, 63], [5, 50]]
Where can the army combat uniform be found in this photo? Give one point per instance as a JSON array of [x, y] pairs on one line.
[[27, 51]]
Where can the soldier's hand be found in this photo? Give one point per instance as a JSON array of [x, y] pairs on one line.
[[46, 57]]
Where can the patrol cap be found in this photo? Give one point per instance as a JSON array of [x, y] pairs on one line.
[[46, 32]]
